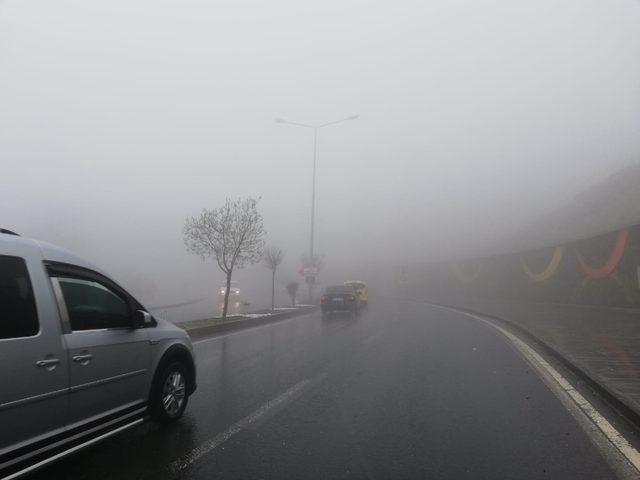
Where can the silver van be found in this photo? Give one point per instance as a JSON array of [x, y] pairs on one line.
[[80, 358]]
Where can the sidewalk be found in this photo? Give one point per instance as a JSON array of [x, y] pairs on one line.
[[602, 342]]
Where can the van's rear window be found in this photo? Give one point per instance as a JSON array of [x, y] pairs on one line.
[[18, 314]]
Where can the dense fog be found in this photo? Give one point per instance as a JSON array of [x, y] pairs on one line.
[[476, 118]]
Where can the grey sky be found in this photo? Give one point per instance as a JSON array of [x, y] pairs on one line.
[[119, 118]]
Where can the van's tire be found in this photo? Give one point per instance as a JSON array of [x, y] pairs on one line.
[[169, 398]]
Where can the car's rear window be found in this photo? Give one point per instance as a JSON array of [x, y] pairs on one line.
[[339, 289], [18, 314]]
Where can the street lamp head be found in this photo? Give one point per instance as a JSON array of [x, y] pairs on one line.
[[280, 120], [353, 117]]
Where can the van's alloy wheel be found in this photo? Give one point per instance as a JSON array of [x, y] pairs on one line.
[[173, 393], [169, 395]]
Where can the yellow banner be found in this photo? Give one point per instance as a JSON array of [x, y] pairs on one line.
[[550, 269]]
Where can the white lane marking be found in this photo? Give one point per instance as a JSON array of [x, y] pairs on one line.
[[272, 405], [617, 440], [250, 329]]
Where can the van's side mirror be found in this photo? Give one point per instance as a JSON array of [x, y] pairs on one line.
[[141, 319]]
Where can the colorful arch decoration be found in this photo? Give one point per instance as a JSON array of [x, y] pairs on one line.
[[549, 271], [612, 262], [466, 277]]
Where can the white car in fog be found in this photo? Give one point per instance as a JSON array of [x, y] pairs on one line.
[[81, 358]]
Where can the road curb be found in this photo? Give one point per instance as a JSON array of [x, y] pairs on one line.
[[199, 333]]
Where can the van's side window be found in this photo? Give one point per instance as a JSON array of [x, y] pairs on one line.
[[93, 306], [18, 315]]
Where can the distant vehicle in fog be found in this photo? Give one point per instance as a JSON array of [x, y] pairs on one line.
[[361, 289], [82, 359], [236, 303], [340, 298]]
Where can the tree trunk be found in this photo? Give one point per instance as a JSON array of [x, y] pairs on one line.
[[273, 290], [226, 296]]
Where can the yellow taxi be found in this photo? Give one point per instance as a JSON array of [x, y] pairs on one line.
[[361, 288]]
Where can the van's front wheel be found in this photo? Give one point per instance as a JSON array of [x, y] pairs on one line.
[[169, 395]]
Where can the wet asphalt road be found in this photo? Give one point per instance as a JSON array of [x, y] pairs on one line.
[[404, 391]]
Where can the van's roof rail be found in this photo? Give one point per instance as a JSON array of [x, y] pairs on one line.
[[8, 232]]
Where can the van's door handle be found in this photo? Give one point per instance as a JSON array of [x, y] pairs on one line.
[[49, 363], [82, 359]]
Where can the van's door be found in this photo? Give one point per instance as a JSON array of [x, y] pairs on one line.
[[33, 361], [109, 361]]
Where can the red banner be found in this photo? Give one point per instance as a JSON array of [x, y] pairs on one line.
[[612, 262]]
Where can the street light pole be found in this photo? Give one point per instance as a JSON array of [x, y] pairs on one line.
[[313, 193], [313, 180]]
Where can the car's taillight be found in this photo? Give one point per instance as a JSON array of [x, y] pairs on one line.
[[324, 298]]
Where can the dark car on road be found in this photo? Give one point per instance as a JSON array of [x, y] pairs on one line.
[[340, 298]]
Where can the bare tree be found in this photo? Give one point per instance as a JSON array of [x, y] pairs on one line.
[[272, 259], [232, 234], [292, 290]]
